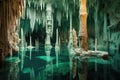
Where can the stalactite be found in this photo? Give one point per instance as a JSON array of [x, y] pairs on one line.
[[38, 17], [52, 25], [96, 21], [59, 17], [70, 21], [11, 10], [28, 12], [29, 3], [74, 2], [32, 18], [57, 39], [41, 3], [43, 19], [67, 11], [105, 27]]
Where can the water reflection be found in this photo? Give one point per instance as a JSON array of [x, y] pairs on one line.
[[44, 67], [45, 64]]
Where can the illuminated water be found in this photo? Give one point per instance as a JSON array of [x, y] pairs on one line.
[[42, 67]]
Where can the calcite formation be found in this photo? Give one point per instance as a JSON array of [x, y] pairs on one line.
[[74, 39], [10, 12], [83, 25]]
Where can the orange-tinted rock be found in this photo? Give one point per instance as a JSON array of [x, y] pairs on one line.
[[83, 25], [11, 10]]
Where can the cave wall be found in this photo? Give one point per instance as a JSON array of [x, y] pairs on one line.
[[108, 20], [10, 11]]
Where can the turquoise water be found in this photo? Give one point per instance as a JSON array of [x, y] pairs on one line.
[[44, 67]]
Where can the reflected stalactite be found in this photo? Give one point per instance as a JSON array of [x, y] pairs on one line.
[[11, 10], [57, 47], [14, 68]]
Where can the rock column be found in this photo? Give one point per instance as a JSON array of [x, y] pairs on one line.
[[83, 25]]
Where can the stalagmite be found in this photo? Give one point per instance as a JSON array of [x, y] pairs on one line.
[[49, 24], [71, 33], [83, 25], [22, 48], [70, 45], [22, 40], [49, 28], [57, 48], [74, 38]]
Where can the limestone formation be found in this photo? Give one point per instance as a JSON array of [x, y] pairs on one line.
[[10, 12], [74, 39], [83, 25]]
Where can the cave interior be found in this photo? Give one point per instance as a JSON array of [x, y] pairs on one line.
[[39, 39]]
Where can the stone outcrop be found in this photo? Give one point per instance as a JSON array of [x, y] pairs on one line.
[[10, 11]]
